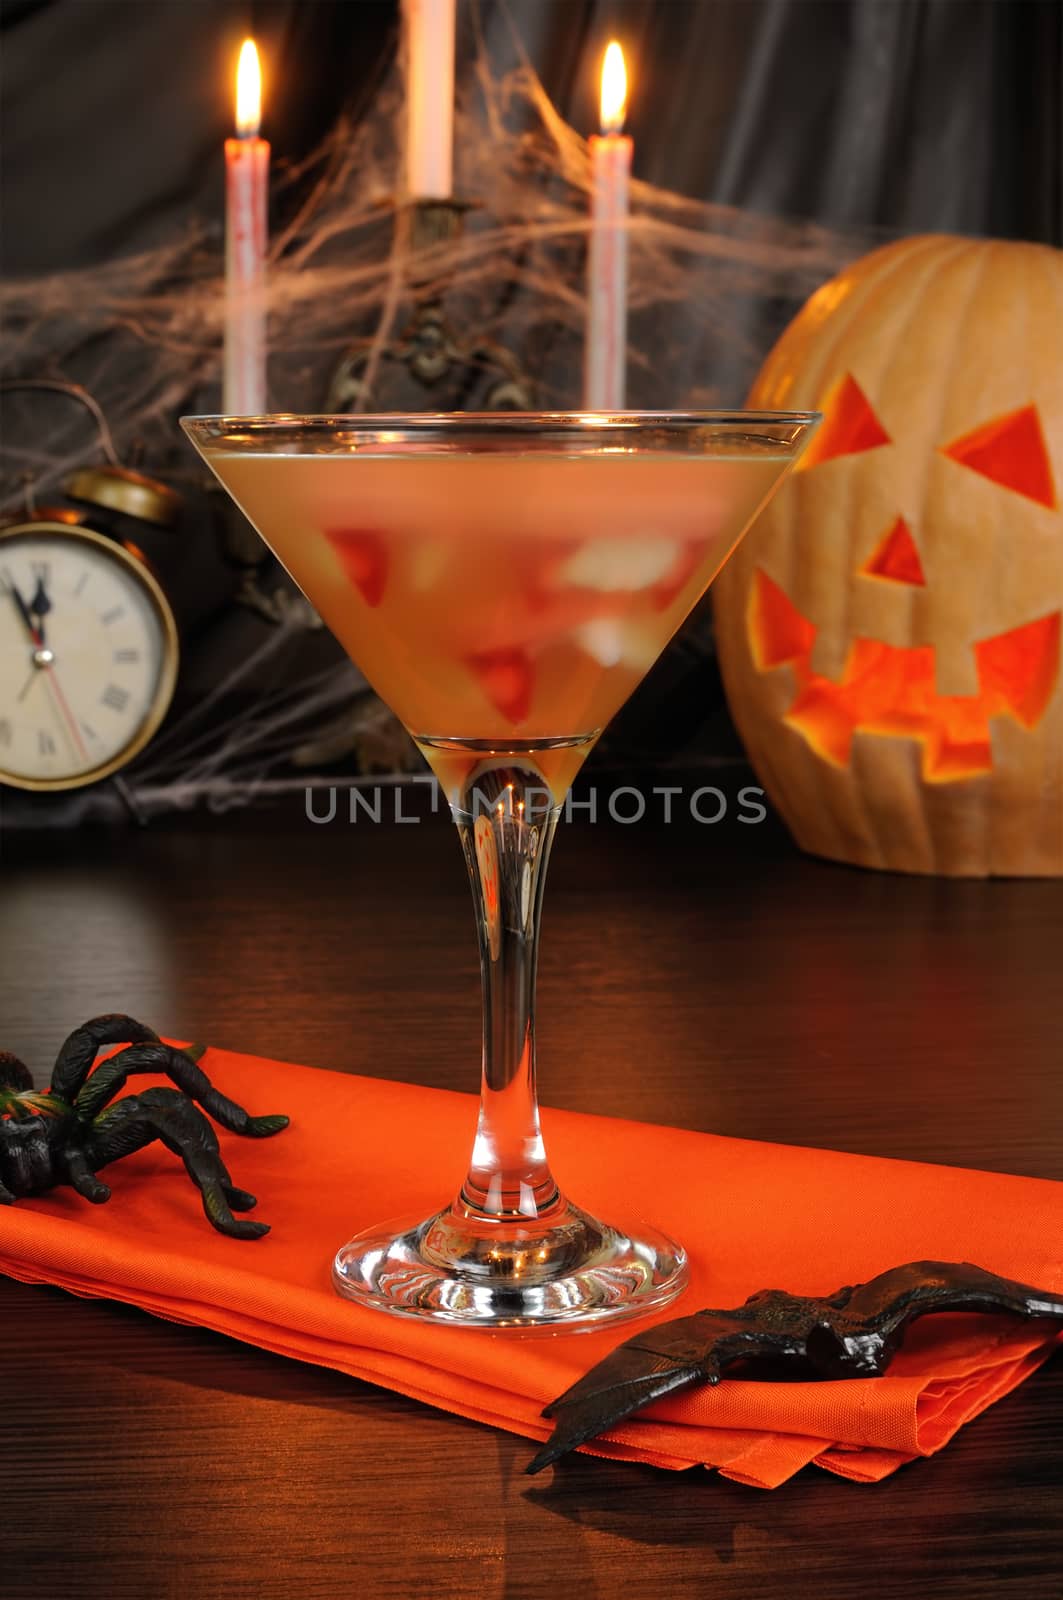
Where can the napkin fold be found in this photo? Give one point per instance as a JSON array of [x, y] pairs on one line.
[[361, 1150]]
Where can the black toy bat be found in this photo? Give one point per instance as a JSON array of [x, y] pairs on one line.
[[853, 1333]]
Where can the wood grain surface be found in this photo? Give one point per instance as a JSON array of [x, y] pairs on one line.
[[703, 976]]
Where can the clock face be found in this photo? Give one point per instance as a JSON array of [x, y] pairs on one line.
[[88, 656]]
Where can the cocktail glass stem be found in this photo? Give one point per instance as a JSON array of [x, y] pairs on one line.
[[506, 823], [511, 1249]]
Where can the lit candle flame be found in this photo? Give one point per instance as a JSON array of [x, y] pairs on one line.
[[614, 90], [248, 92]]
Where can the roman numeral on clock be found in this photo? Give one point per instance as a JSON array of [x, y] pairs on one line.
[[45, 743], [114, 698], [107, 617], [5, 731], [126, 656]]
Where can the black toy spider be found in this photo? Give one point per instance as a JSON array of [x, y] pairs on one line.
[[66, 1133]]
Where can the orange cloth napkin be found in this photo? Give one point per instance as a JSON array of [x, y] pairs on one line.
[[752, 1216]]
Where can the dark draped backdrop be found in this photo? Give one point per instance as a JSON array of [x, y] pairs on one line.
[[907, 115], [919, 115]]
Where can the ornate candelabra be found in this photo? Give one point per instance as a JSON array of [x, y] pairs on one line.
[[428, 364]]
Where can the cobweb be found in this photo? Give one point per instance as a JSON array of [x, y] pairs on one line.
[[710, 289]]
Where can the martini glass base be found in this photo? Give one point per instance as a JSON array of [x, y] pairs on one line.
[[512, 1272]]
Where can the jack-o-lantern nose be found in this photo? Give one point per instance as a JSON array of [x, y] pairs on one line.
[[896, 557]]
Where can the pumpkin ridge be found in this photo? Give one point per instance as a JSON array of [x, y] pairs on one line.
[[943, 251], [977, 255], [1001, 549]]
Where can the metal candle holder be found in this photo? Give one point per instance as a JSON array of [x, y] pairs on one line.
[[429, 365]]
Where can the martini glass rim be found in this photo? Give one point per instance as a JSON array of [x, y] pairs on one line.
[[477, 424]]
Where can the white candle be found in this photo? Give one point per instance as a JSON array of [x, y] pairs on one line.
[[246, 201], [605, 355], [429, 98]]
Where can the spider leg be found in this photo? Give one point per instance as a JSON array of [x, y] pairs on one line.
[[74, 1061], [84, 1180], [110, 1078], [170, 1116]]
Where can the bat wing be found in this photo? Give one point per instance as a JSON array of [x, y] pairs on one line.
[[645, 1368], [595, 1411], [877, 1314]]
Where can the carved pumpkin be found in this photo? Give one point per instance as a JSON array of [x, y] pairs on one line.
[[889, 633]]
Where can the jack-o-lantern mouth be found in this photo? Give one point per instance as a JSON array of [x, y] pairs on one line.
[[889, 690]]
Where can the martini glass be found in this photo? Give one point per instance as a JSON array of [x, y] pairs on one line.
[[505, 581]]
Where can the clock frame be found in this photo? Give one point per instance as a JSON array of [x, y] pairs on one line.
[[51, 528]]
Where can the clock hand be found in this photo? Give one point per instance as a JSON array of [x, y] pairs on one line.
[[24, 611], [60, 700], [40, 605], [28, 685]]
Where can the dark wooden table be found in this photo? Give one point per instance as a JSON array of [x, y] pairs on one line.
[[702, 976]]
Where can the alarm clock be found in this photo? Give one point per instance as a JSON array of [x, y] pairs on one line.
[[88, 641]]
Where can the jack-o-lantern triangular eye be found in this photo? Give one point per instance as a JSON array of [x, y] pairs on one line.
[[895, 557], [1011, 451], [849, 425], [777, 630]]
